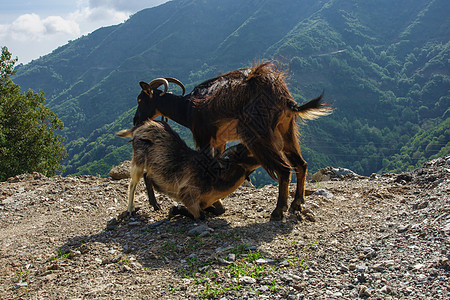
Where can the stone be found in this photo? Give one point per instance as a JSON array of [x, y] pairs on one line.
[[418, 267], [224, 262], [364, 291], [386, 290], [121, 171], [20, 284], [324, 193], [262, 261], [199, 230], [361, 268], [247, 280], [446, 227], [403, 228]]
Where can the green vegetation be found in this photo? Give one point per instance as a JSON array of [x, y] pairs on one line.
[[62, 253], [28, 138], [248, 264], [383, 64]]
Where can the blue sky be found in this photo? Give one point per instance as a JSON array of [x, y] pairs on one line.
[[33, 28]]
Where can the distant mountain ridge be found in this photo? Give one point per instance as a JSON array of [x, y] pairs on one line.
[[384, 64]]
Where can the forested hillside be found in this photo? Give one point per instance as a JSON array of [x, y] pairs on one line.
[[384, 65]]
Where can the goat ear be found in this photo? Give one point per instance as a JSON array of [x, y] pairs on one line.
[[146, 88]]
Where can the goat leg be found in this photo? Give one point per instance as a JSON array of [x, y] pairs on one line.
[[300, 168], [151, 193], [283, 194]]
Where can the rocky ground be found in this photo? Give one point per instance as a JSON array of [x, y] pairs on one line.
[[384, 237]]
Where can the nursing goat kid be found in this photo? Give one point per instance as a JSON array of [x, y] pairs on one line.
[[252, 105], [197, 180]]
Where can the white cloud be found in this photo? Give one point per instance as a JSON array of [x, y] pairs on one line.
[[125, 5], [91, 18], [31, 35], [32, 27]]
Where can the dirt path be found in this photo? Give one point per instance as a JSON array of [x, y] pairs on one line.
[[377, 238]]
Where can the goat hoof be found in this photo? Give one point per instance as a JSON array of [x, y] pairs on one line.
[[277, 215], [295, 207], [217, 211], [155, 206], [123, 215], [174, 211]]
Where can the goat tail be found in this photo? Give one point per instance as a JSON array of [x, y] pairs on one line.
[[312, 109], [125, 133]]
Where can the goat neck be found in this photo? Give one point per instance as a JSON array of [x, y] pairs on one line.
[[177, 108]]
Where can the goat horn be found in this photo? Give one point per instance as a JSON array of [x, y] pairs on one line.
[[176, 81], [156, 83]]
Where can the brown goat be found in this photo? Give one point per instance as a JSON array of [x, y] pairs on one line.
[[251, 105], [196, 179]]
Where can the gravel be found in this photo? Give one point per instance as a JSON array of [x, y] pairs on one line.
[[383, 237]]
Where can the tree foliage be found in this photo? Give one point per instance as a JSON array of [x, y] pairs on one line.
[[28, 141]]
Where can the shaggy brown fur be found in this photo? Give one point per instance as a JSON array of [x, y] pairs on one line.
[[196, 179], [253, 106]]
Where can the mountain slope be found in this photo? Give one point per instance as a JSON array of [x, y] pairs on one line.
[[383, 64]]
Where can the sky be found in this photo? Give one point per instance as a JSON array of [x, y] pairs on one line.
[[33, 28]]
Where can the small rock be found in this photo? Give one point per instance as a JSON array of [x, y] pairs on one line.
[[251, 248], [386, 290], [263, 288], [378, 267], [231, 257], [247, 280], [420, 205], [262, 261], [295, 277], [422, 277], [198, 230], [418, 267], [324, 193], [121, 171], [389, 263], [224, 262], [20, 284], [444, 262], [74, 253], [50, 277], [128, 269], [403, 228], [363, 291], [361, 268], [343, 267], [204, 269], [446, 227], [157, 223], [284, 263]]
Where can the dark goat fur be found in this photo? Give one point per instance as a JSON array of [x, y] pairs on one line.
[[196, 179], [252, 105]]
